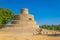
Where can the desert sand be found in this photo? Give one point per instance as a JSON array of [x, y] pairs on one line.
[[36, 37], [14, 36]]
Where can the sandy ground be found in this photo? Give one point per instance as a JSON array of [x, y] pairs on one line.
[[36, 37], [25, 36], [12, 36]]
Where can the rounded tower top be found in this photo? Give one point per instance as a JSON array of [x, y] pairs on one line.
[[24, 11]]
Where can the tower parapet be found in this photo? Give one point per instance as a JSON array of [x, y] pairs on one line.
[[24, 11]]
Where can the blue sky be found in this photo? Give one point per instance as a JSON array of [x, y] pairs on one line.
[[45, 11]]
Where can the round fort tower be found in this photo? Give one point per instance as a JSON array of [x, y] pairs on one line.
[[23, 24], [25, 21], [23, 17]]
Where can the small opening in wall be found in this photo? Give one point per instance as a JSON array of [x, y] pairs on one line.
[[30, 18]]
